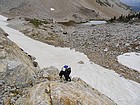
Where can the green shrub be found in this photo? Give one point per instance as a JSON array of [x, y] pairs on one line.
[[36, 22], [125, 19]]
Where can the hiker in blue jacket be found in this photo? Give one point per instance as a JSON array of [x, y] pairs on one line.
[[67, 74], [66, 70]]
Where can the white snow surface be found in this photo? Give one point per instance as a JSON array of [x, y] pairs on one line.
[[2, 18], [120, 90], [94, 22], [131, 60], [52, 9]]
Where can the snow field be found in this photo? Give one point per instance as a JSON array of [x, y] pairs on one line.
[[120, 90]]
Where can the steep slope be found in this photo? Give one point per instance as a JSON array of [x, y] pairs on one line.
[[23, 84], [120, 90], [63, 9], [16, 69]]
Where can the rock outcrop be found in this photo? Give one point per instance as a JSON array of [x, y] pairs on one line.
[[16, 65], [16, 68], [54, 92]]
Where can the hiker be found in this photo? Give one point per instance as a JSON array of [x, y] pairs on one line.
[[67, 74], [62, 72], [65, 71]]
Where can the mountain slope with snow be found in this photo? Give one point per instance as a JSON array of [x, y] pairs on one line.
[[63, 9], [26, 83]]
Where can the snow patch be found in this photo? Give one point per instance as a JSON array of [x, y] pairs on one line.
[[2, 18], [52, 9], [94, 22], [131, 60]]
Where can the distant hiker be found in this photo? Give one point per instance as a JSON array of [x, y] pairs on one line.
[[65, 71]]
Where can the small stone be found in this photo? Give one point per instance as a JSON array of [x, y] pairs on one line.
[[11, 94], [32, 57], [35, 63], [1, 102], [13, 90], [137, 48], [117, 45], [12, 101], [46, 75], [127, 44], [65, 32], [2, 55], [1, 47], [81, 62], [17, 95], [1, 84], [14, 98], [106, 49], [6, 34]]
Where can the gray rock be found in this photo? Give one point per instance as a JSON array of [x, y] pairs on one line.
[[76, 92], [35, 64], [18, 73], [2, 55], [1, 47], [2, 82], [51, 73]]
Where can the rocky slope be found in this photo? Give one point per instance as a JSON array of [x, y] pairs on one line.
[[17, 69], [102, 43], [23, 83], [63, 10]]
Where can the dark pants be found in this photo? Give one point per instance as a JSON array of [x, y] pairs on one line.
[[67, 77], [61, 73]]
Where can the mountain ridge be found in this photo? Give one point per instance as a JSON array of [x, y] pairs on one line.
[[64, 10]]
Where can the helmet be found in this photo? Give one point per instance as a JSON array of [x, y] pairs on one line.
[[66, 66]]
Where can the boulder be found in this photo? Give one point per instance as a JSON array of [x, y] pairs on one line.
[[54, 92], [51, 73], [18, 73], [76, 92]]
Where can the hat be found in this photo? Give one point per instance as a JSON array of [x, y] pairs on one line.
[[66, 66]]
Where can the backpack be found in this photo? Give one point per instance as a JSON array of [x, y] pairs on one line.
[[61, 73]]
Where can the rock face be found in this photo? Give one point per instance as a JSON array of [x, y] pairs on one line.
[[16, 69], [54, 92], [23, 84], [18, 73], [73, 10], [16, 65]]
